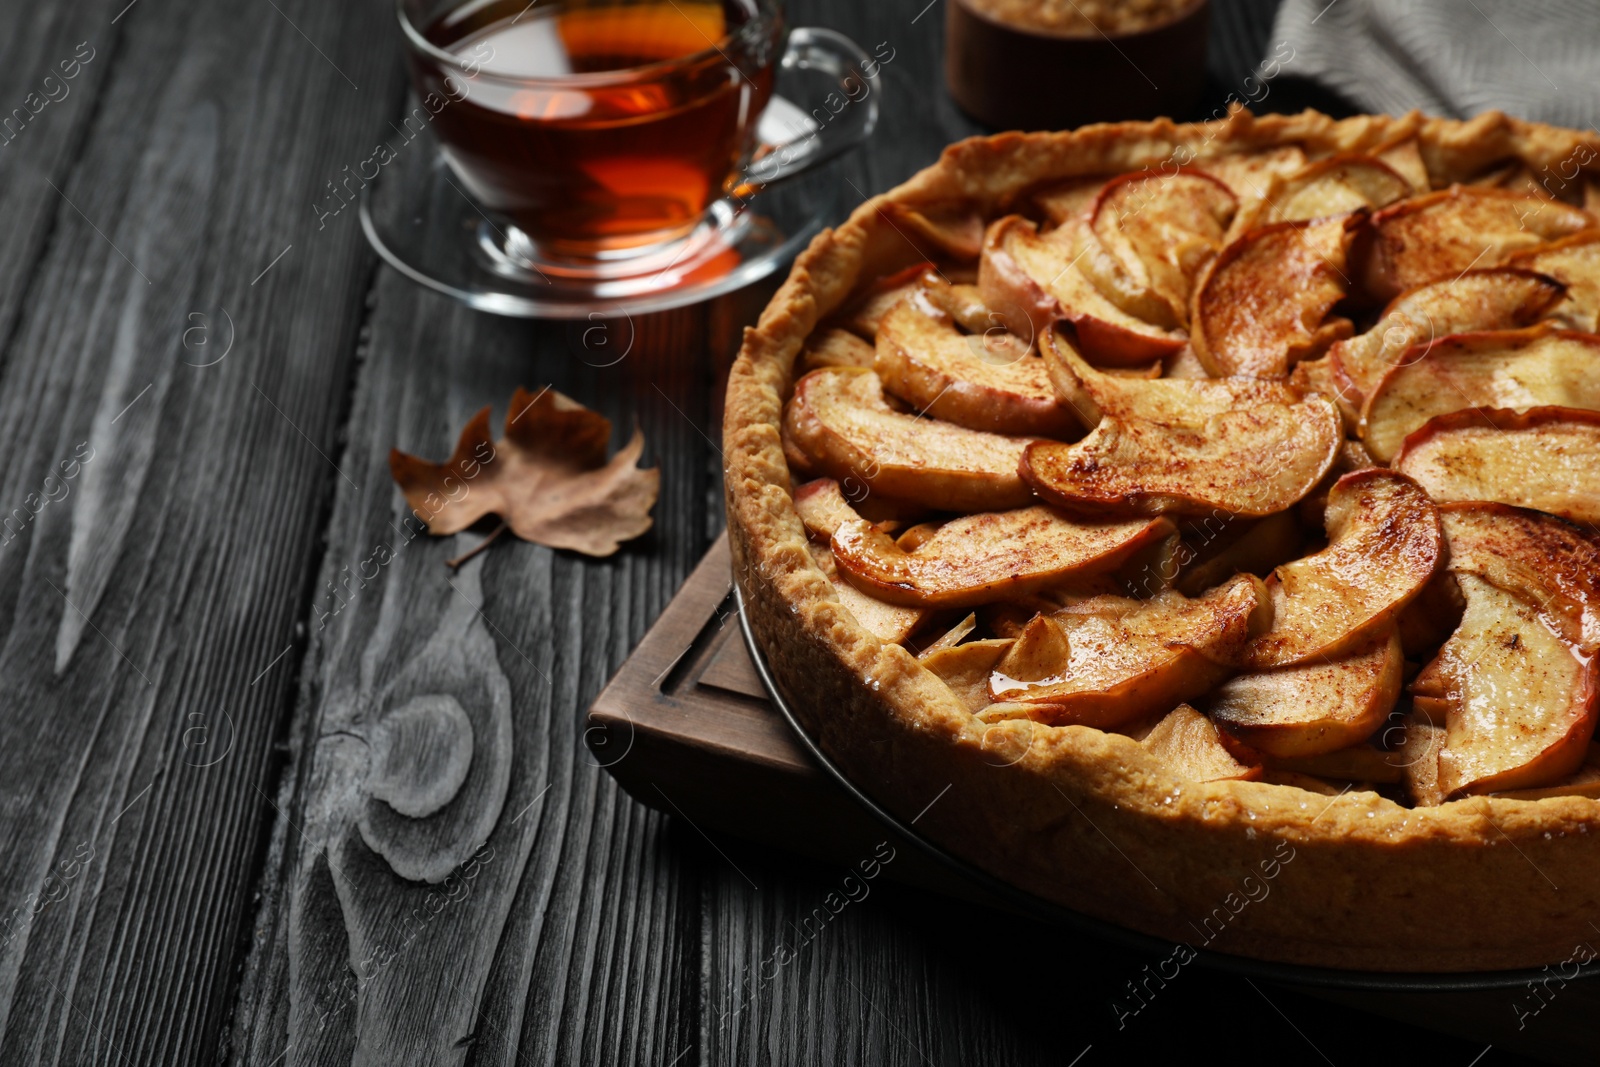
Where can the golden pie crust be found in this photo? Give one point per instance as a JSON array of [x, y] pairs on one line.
[[1092, 820]]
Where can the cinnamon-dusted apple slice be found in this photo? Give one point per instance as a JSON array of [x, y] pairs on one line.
[[1517, 701], [1384, 545], [1249, 174], [982, 382], [1250, 461], [839, 420], [1032, 279], [1515, 686], [1316, 707], [1584, 782], [1112, 660], [1439, 235], [893, 623], [822, 507], [863, 314], [1544, 458], [1575, 262], [977, 559], [1188, 743], [1500, 298], [1148, 235], [1538, 557], [1337, 185], [1262, 305], [1175, 402], [915, 537], [1517, 369]]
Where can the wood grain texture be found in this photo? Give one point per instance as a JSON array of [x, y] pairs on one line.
[[44, 118], [461, 882], [145, 607]]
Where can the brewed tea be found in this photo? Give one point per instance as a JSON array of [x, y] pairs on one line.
[[601, 125]]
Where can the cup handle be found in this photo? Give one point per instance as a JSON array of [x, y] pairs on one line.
[[838, 111]]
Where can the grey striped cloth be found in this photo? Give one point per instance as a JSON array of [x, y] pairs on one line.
[[1536, 59]]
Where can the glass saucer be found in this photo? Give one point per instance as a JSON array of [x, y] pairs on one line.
[[417, 216]]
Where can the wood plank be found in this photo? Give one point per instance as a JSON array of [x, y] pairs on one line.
[[573, 941], [54, 60], [148, 614]]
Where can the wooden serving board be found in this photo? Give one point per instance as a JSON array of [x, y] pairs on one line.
[[686, 727]]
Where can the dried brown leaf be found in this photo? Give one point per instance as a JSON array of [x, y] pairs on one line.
[[547, 478]]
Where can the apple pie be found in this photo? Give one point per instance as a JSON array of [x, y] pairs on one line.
[[1135, 506]]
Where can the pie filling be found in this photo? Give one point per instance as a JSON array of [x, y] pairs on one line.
[[1283, 466]]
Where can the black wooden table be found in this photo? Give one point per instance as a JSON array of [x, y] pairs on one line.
[[216, 704]]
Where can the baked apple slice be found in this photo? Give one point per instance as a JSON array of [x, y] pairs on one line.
[[1514, 687], [977, 559], [1439, 235], [1111, 660], [892, 623], [866, 310], [1188, 743], [1031, 280], [1249, 175], [1092, 393], [1249, 461], [966, 668], [1385, 543], [823, 509], [954, 230], [831, 347], [1517, 369], [1262, 305], [963, 303], [839, 420], [1575, 262], [1316, 707], [1404, 157], [1421, 742], [1494, 299], [1584, 782], [1544, 458], [1069, 199], [1337, 185], [1538, 557], [1148, 235], [1517, 701], [981, 381]]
